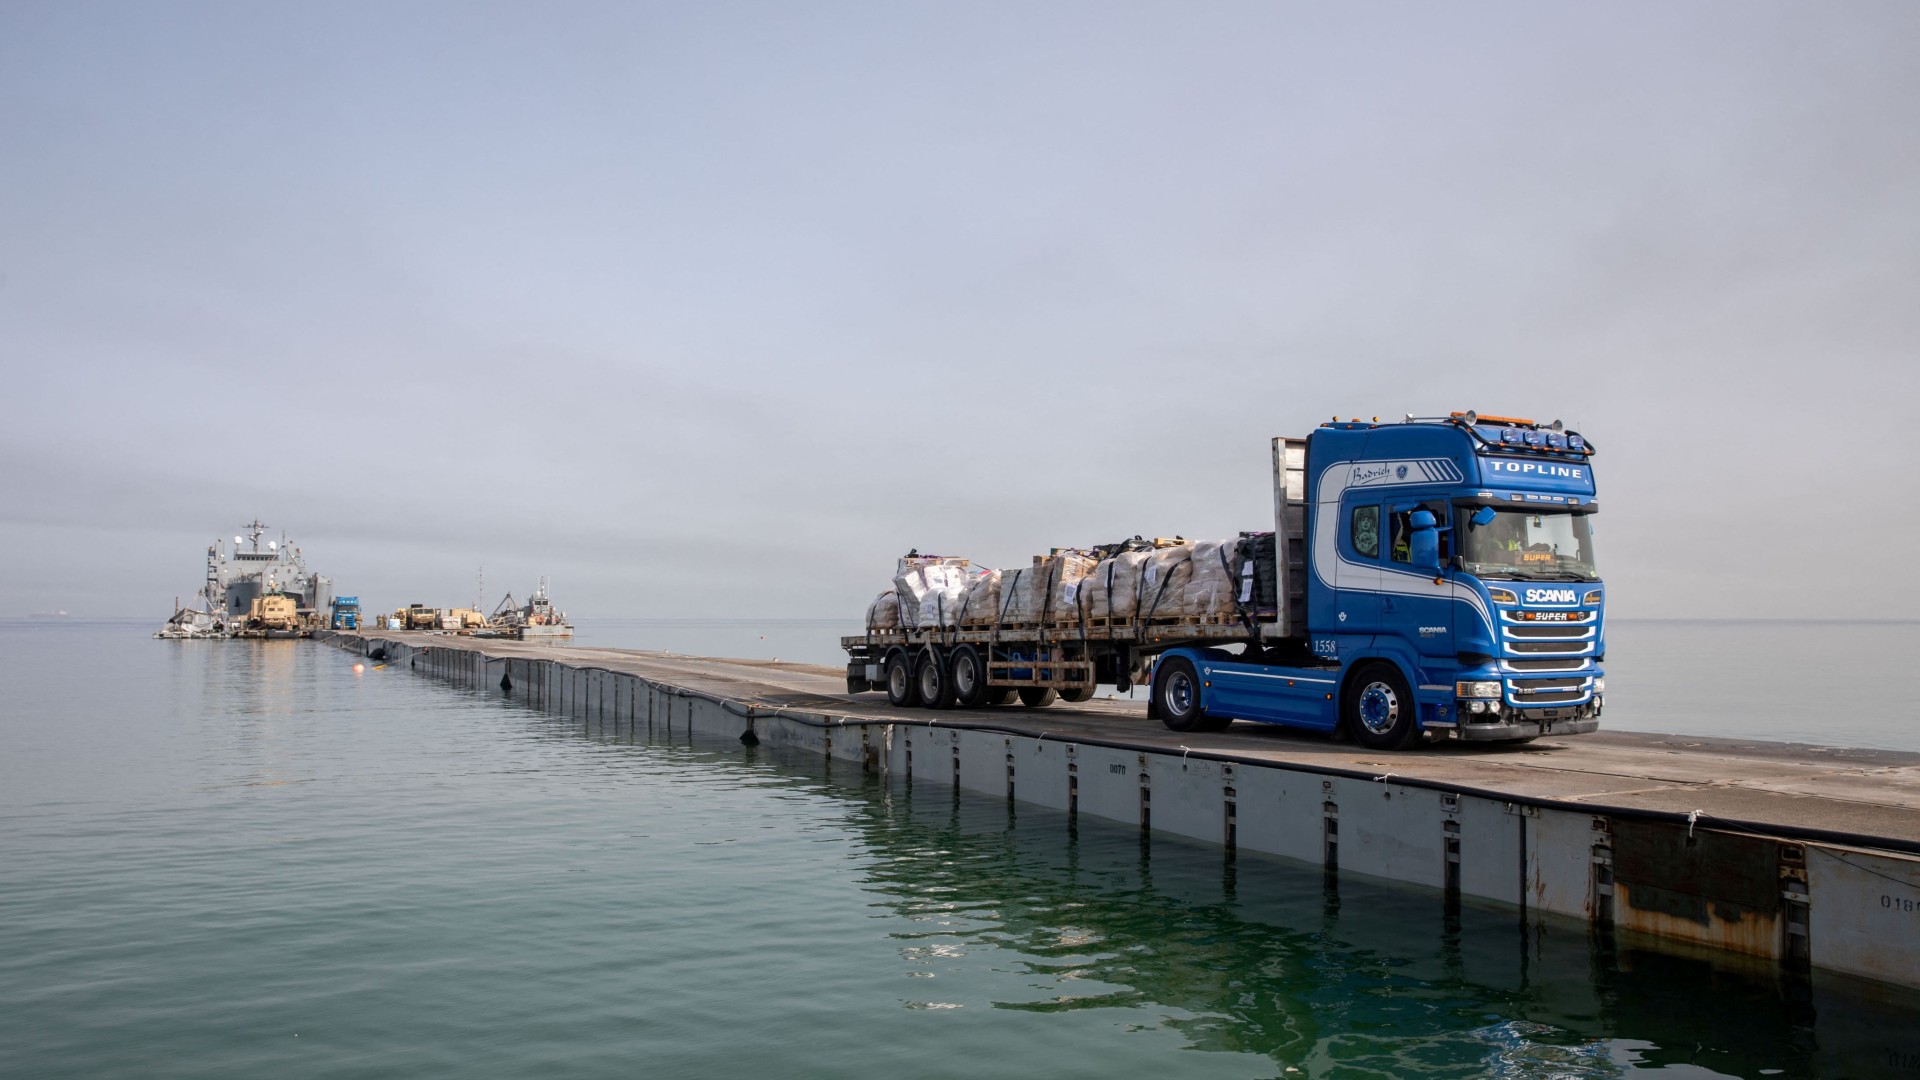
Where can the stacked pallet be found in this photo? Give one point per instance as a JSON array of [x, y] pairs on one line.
[[1046, 592], [928, 590]]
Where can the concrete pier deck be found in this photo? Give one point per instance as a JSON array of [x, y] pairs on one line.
[[1789, 787], [1806, 855]]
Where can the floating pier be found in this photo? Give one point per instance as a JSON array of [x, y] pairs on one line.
[[1806, 857]]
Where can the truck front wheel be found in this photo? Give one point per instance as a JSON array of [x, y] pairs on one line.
[[1379, 708], [1176, 696], [902, 691]]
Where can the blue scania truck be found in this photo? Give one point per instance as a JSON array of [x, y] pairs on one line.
[[1426, 579]]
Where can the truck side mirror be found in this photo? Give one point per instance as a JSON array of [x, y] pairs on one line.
[[1423, 546]]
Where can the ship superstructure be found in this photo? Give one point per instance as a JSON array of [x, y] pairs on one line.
[[235, 579], [253, 569]]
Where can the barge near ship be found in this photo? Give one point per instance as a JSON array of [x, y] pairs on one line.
[[535, 620]]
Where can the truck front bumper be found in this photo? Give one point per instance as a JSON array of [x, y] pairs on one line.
[[1522, 728]]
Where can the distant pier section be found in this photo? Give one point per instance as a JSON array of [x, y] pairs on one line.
[[1796, 856]]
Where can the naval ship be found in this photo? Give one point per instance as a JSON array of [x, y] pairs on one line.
[[249, 571]]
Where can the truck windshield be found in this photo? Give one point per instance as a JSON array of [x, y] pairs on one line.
[[1528, 545]]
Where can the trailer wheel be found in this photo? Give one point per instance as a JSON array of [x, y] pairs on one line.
[[902, 691], [998, 695], [969, 677], [1077, 694], [1379, 709], [1176, 695], [932, 679], [1037, 697]]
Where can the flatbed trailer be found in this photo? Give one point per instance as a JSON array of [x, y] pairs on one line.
[[1062, 657], [1068, 658]]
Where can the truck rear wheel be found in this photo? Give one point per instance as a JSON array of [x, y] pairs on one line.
[[933, 680], [902, 691], [1379, 709], [969, 677], [998, 695], [1077, 694], [1037, 697]]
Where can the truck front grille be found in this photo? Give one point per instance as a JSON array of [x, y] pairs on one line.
[[1549, 697], [1571, 663], [1556, 631], [1550, 648], [1549, 690]]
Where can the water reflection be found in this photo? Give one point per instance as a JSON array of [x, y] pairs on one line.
[[1263, 956], [1323, 977]]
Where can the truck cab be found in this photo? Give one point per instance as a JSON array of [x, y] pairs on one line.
[[1450, 591], [345, 613]]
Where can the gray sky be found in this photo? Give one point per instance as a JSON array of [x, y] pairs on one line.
[[715, 308]]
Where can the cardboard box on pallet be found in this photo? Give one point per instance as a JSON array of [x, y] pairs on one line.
[[1067, 570]]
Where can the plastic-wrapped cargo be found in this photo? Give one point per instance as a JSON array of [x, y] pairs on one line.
[[1094, 597], [941, 605], [980, 604], [884, 612], [1113, 589], [1163, 584], [930, 594], [1215, 584], [913, 560]]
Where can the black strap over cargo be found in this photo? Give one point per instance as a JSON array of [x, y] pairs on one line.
[[1006, 597], [1235, 565], [1046, 606], [1164, 582]]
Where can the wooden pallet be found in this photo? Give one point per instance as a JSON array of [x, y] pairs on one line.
[[1157, 632]]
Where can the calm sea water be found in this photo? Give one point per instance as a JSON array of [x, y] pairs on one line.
[[245, 859], [1834, 683]]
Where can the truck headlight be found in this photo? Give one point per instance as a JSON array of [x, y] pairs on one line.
[[1488, 689], [1599, 686]]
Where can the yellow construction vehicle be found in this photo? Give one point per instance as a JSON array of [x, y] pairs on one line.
[[274, 611]]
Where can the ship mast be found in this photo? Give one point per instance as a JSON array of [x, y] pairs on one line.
[[216, 597]]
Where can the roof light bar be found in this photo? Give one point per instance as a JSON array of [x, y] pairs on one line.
[[1472, 417]]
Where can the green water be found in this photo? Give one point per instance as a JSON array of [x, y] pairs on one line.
[[246, 860]]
